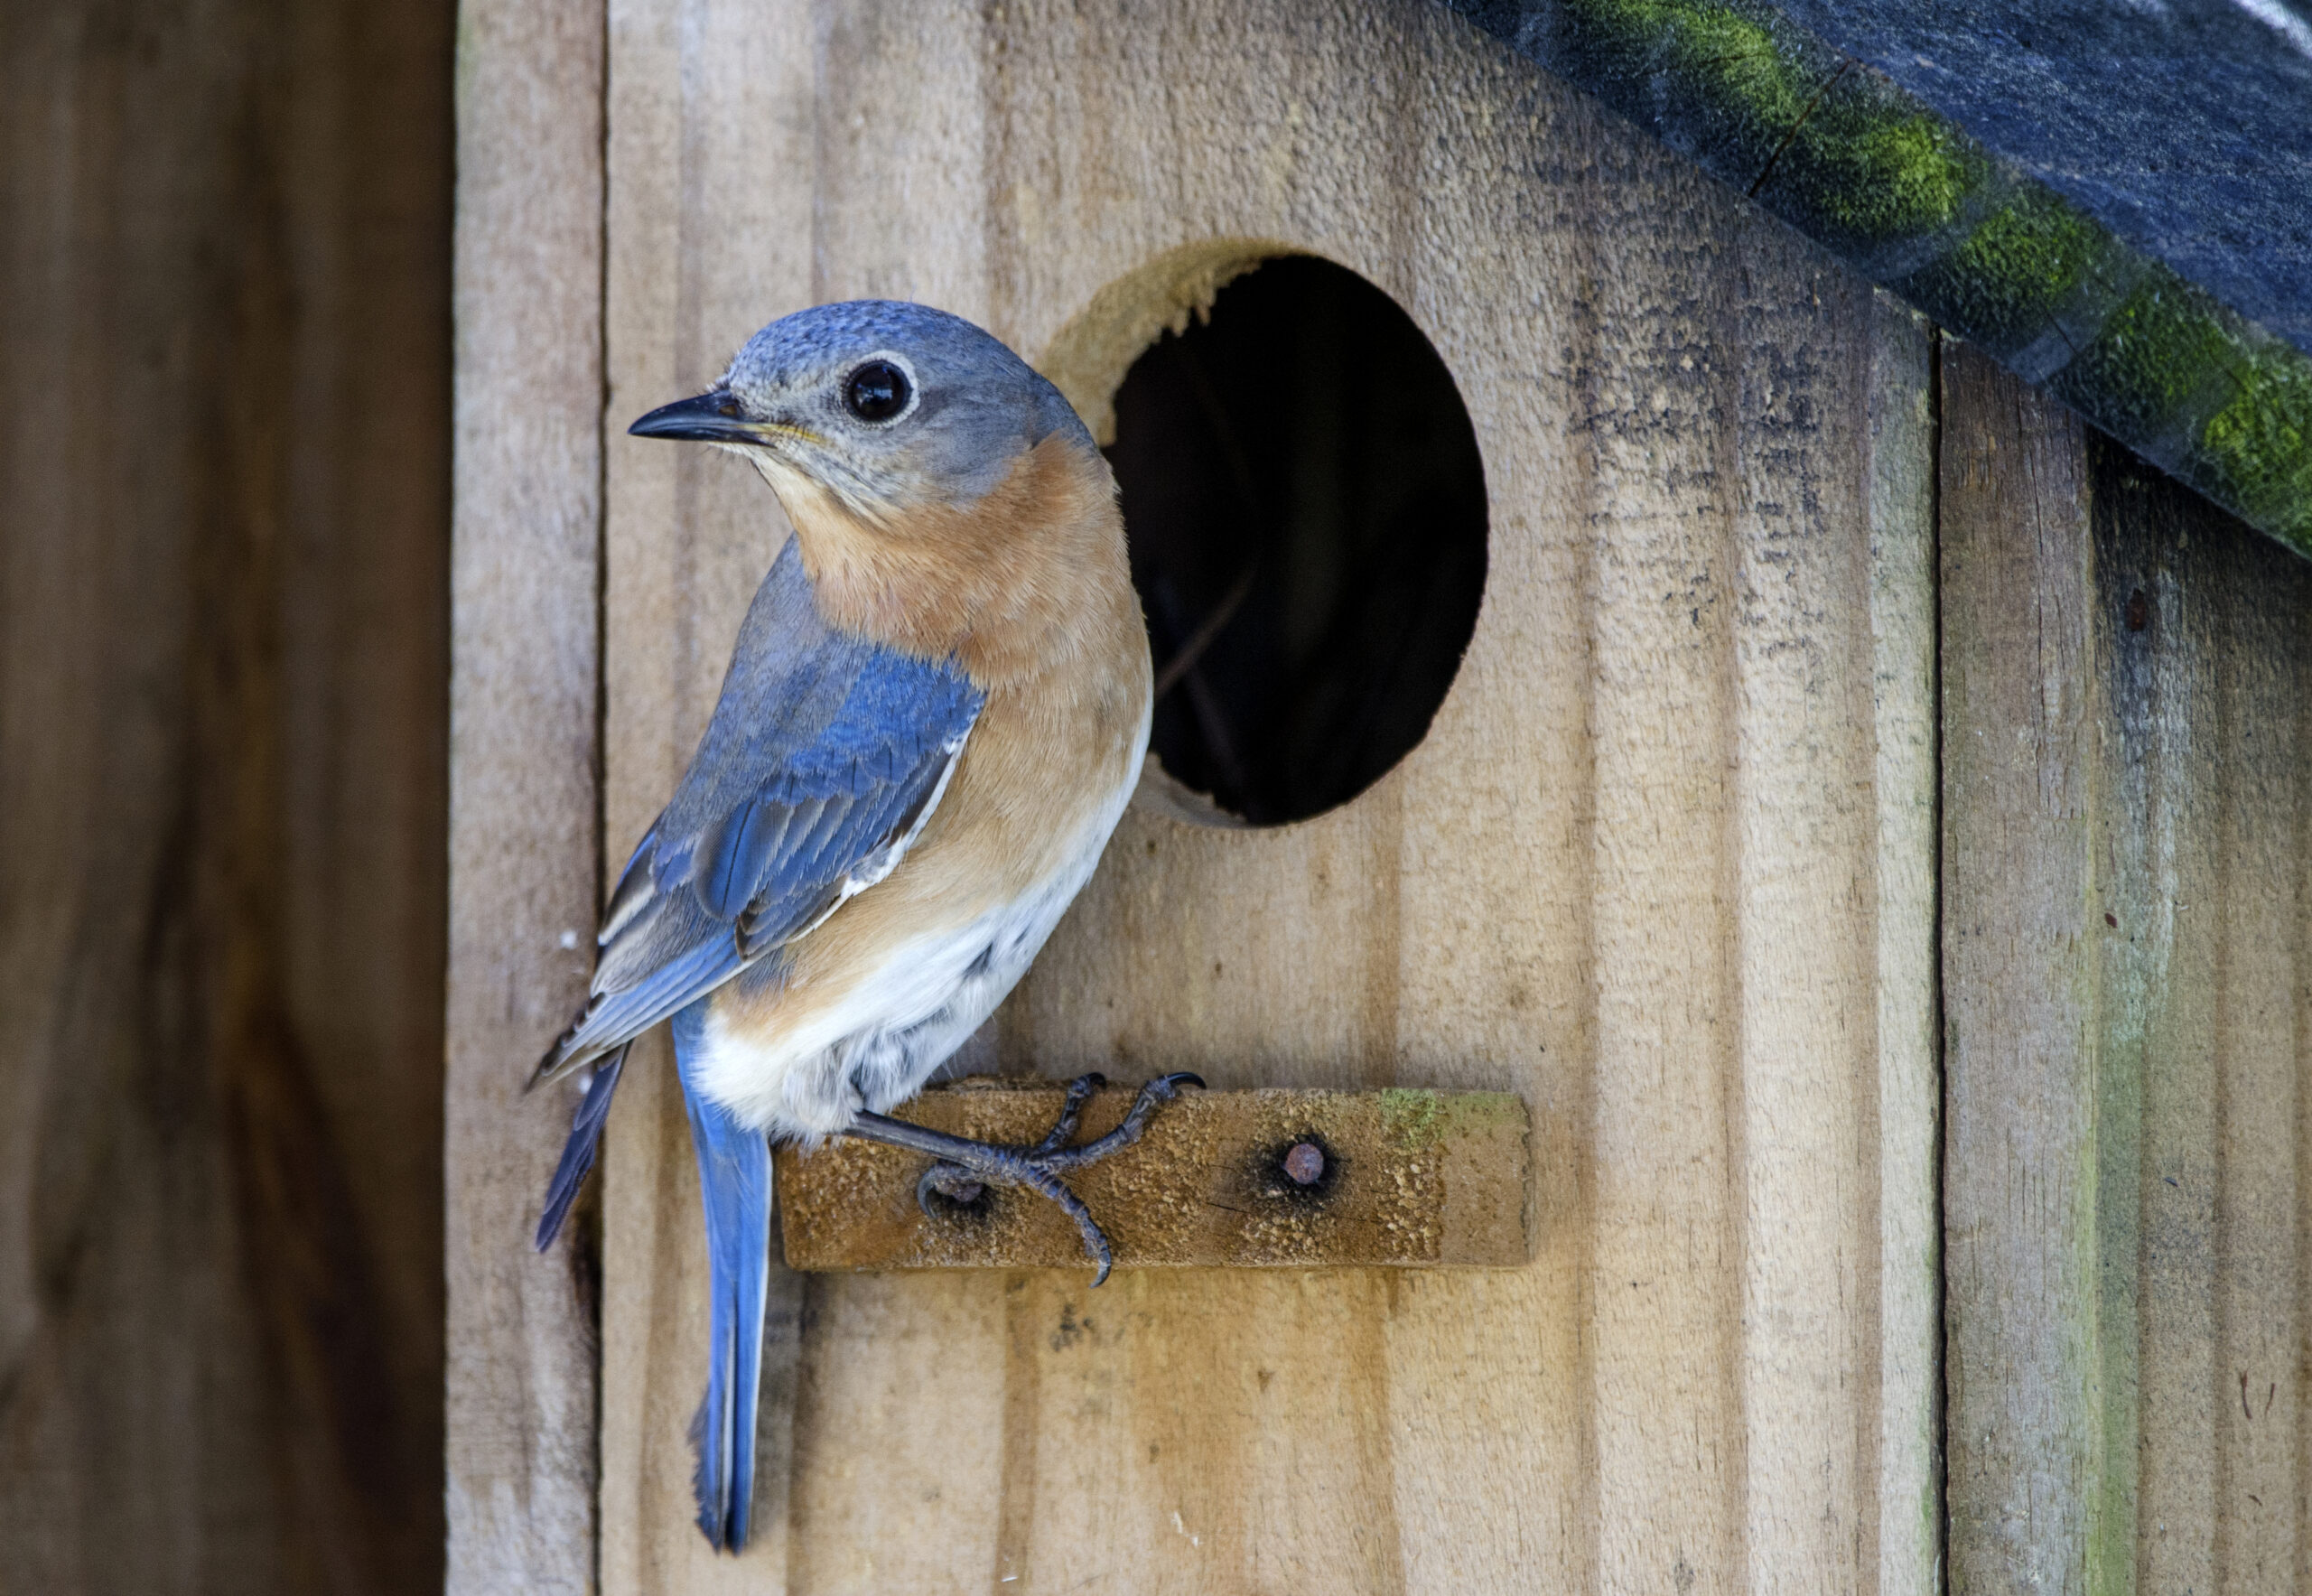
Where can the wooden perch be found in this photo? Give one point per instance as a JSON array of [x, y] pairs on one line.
[[1253, 1180]]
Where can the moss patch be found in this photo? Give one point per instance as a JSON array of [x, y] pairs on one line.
[[2151, 355], [1416, 1118], [1879, 177], [1768, 109], [2010, 278], [2258, 449]]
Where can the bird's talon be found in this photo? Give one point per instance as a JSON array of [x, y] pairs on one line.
[[1071, 1110], [945, 1186]]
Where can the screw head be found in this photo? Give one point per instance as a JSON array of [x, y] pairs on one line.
[[1305, 1164]]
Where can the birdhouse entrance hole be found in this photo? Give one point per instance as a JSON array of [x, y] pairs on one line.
[[1306, 506]]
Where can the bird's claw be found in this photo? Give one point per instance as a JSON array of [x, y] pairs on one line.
[[1063, 1129], [966, 1168]]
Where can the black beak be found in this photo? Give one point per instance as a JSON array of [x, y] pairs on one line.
[[713, 417]]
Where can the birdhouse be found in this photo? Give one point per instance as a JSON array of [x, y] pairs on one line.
[[1617, 653]]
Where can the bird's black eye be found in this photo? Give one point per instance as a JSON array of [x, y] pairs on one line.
[[877, 391]]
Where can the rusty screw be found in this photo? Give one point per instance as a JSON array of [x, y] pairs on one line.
[[1305, 1163]]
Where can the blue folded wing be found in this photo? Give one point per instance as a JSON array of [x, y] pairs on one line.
[[825, 752]]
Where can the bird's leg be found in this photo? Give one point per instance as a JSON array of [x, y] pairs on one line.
[[963, 1166]]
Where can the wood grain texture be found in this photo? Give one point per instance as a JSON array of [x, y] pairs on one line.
[[524, 839], [2126, 851], [1905, 706], [2026, 1369], [1663, 866], [709, 237], [1403, 1178], [224, 238]]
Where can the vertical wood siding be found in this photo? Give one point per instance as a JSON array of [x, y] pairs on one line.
[[2126, 845], [524, 839], [1664, 864]]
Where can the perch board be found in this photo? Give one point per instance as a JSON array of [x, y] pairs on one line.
[[1412, 1178]]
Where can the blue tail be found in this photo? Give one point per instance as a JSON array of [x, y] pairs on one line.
[[578, 1152], [734, 1177]]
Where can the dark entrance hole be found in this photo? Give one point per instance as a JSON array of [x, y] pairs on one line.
[[1306, 513]]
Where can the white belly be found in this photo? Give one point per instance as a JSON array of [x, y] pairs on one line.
[[877, 1046]]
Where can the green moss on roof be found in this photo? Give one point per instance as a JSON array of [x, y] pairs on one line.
[[1872, 165], [2018, 269], [2258, 448], [1883, 177], [2150, 358]]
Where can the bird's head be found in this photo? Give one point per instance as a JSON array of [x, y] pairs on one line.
[[887, 407]]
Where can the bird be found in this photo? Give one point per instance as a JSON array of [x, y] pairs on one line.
[[936, 712]]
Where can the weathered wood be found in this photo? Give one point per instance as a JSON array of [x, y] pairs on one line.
[[2026, 1371], [1663, 867], [709, 235], [1905, 707], [223, 533], [524, 843], [2207, 846], [2127, 854], [1403, 1178]]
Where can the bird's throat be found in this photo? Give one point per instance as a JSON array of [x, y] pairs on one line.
[[1007, 586]]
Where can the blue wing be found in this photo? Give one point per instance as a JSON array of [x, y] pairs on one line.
[[578, 1152], [824, 754], [734, 1180]]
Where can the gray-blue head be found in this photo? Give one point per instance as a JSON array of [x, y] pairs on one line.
[[887, 405]]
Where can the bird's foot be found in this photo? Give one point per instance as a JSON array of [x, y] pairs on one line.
[[963, 1168]]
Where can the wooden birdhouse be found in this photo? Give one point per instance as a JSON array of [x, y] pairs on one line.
[[1616, 656]]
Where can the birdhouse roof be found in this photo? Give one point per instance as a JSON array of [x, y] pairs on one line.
[[2108, 198]]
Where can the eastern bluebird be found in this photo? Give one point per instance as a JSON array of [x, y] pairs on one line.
[[936, 710]]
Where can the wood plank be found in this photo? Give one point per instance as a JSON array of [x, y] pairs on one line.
[[2201, 1040], [2026, 1371], [1399, 1178], [1654, 870], [2127, 877], [525, 847], [221, 876], [709, 237], [1904, 709]]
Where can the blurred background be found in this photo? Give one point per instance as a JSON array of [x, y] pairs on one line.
[[224, 528]]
